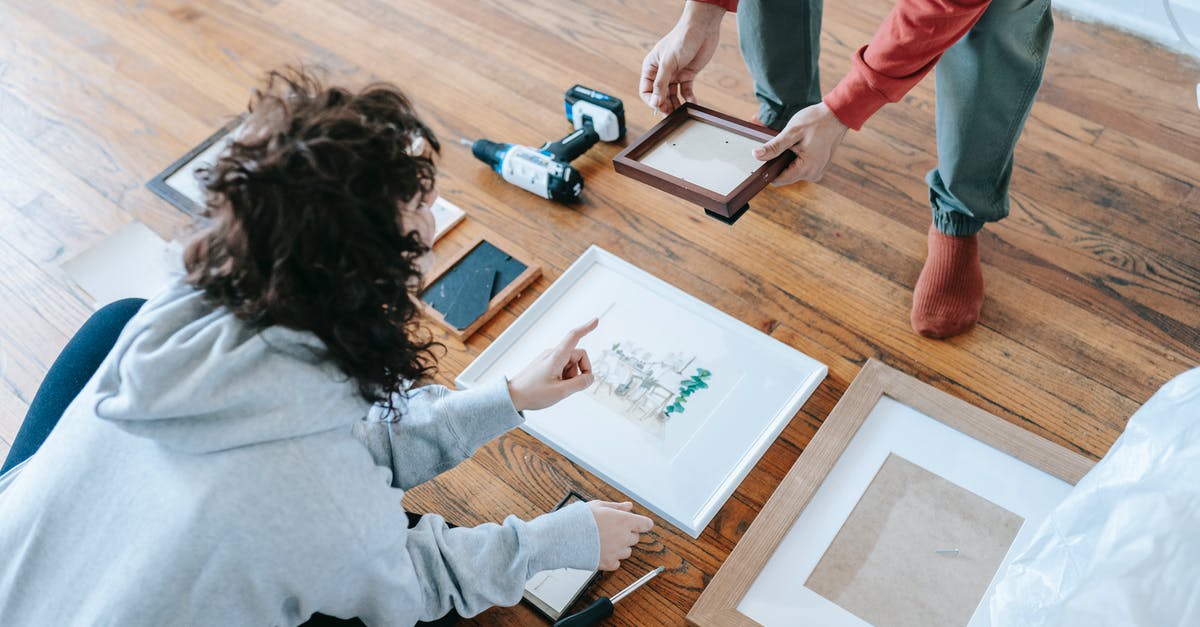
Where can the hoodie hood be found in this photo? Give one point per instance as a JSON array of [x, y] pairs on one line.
[[196, 378]]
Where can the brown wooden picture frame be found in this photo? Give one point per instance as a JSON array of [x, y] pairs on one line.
[[718, 604], [498, 302], [727, 208]]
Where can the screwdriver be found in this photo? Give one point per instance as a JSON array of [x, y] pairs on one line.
[[602, 608]]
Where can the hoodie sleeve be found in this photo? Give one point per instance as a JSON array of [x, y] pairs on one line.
[[472, 569], [365, 561], [437, 429]]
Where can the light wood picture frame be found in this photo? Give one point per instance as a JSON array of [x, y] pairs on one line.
[[730, 199], [719, 604], [499, 301]]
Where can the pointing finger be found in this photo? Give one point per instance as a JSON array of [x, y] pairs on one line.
[[572, 339]]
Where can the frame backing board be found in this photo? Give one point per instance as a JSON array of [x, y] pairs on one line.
[[685, 399], [511, 271], [884, 564], [883, 413], [703, 156]]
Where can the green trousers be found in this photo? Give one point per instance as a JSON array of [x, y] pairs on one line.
[[986, 83]]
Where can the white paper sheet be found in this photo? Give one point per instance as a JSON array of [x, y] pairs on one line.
[[131, 263]]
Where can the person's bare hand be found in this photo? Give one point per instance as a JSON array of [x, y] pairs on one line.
[[555, 374], [813, 134], [670, 69], [620, 529]]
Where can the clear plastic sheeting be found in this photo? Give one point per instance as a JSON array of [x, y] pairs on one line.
[[1124, 547]]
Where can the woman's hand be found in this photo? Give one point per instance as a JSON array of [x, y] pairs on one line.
[[813, 134], [620, 529], [555, 374], [672, 65]]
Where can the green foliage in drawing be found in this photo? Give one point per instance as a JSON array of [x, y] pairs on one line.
[[688, 387]]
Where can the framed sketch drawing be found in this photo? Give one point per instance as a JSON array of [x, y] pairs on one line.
[[901, 511], [686, 398], [177, 184], [704, 157]]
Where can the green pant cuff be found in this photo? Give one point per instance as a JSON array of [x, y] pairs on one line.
[[956, 224]]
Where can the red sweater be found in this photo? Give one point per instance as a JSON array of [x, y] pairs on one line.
[[906, 46]]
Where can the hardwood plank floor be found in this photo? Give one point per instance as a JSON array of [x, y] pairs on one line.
[[1093, 282]]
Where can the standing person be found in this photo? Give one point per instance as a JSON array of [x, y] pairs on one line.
[[989, 57], [235, 450]]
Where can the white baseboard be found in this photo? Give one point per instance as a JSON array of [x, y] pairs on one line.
[[1146, 18]]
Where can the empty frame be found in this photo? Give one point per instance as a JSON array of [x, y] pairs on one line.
[[902, 510], [704, 157]]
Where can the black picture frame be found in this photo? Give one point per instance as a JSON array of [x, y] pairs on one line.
[[159, 185]]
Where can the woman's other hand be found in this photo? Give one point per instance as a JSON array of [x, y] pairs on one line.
[[620, 529]]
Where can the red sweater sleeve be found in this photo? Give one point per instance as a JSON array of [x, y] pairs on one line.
[[906, 46], [728, 5]]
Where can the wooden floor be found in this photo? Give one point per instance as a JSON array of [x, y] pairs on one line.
[[1092, 283]]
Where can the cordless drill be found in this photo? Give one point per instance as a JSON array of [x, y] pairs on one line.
[[547, 171]]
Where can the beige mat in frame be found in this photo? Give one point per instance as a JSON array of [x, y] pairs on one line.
[[718, 604], [881, 565]]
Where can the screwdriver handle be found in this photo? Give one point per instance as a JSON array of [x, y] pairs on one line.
[[599, 610]]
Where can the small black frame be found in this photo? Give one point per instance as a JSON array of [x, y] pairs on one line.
[[159, 186]]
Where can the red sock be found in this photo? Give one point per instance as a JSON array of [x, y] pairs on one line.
[[949, 292]]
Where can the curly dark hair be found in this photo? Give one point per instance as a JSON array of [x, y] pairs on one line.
[[307, 228]]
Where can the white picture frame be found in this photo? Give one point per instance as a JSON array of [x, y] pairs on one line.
[[683, 466]]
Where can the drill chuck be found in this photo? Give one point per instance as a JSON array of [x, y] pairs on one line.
[[489, 152]]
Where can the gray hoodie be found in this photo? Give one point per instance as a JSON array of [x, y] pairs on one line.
[[215, 474]]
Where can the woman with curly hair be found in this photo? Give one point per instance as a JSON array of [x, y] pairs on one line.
[[234, 451]]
